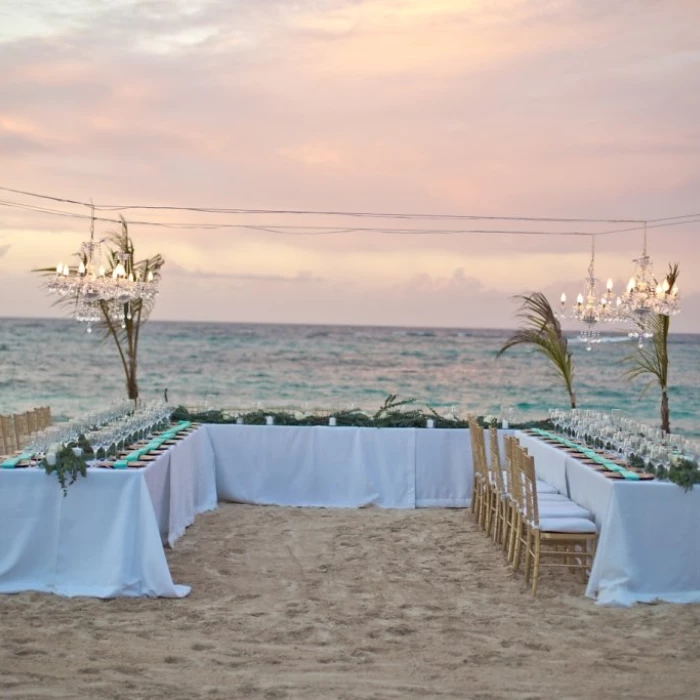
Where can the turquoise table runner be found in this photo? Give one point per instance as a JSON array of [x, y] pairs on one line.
[[12, 462], [154, 444], [591, 454]]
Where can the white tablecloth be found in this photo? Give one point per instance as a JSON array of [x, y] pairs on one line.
[[188, 486], [342, 467], [314, 466], [104, 539], [647, 548], [101, 540]]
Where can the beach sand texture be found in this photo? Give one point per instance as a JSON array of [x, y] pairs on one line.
[[346, 604]]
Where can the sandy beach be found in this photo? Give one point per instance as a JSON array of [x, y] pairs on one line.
[[356, 604]]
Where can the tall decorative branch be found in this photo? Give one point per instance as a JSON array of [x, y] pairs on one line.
[[653, 360], [124, 328], [122, 322]]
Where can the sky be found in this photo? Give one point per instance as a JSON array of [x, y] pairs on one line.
[[517, 108]]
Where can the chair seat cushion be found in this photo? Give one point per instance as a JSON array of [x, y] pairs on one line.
[[562, 509], [569, 525], [552, 498], [544, 487]]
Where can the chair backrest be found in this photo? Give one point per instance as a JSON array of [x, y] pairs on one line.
[[476, 437], [515, 476], [8, 429], [496, 468], [21, 429], [510, 442], [43, 416], [33, 421], [530, 488]]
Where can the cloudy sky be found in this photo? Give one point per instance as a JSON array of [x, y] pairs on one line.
[[534, 108]]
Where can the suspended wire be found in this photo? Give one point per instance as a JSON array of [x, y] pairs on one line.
[[671, 221], [296, 230], [315, 212], [330, 230]]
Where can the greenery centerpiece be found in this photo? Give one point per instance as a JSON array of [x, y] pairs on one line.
[[66, 465]]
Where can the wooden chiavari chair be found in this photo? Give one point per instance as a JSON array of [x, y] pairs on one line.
[[21, 429], [499, 504], [515, 485], [551, 506], [572, 540], [3, 450], [481, 500], [8, 429], [508, 442], [43, 417], [477, 475], [33, 421]]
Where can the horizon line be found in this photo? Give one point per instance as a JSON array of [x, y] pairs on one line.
[[325, 324]]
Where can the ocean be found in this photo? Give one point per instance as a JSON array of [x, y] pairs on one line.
[[246, 366]]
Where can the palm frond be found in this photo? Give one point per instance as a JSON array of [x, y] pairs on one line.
[[542, 329]]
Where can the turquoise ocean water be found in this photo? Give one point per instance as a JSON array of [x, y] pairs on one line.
[[54, 362]]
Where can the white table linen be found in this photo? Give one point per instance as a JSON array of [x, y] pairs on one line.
[[343, 466], [192, 482], [333, 467], [443, 468], [101, 540]]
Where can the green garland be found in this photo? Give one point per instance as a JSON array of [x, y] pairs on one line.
[[393, 413], [68, 464]]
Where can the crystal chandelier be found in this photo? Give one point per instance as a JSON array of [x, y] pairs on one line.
[[590, 308], [645, 296], [97, 293]]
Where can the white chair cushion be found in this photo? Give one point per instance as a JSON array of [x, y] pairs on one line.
[[552, 498], [544, 487], [562, 509], [570, 525]]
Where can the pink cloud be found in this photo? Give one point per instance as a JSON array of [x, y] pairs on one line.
[[513, 107]]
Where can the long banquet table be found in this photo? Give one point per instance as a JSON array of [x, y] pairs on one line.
[[342, 467], [105, 539], [647, 547]]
